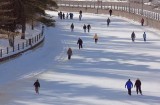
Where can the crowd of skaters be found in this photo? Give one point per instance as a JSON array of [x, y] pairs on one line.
[[129, 84], [88, 27]]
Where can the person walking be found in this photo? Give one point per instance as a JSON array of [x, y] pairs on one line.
[[144, 36], [80, 17], [84, 28], [110, 12], [95, 37], [133, 36], [129, 86], [80, 14], [108, 21], [69, 52], [88, 27], [37, 86], [72, 27], [142, 21], [138, 86], [80, 42]]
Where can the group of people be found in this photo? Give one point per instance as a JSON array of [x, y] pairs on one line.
[[80, 45], [133, 36], [86, 27], [65, 16], [129, 86]]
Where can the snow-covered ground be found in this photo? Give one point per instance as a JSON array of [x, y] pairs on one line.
[[95, 75]]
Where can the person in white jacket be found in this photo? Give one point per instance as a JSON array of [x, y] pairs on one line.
[[95, 37], [144, 36]]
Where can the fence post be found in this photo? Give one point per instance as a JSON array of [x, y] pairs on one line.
[[1, 52], [13, 48], [30, 41], [23, 45], [18, 46], [7, 50]]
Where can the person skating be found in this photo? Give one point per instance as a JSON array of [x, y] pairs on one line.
[[110, 12], [133, 36], [88, 27], [138, 86], [80, 17], [129, 86], [142, 21], [95, 37], [69, 52], [144, 36], [84, 27], [80, 42], [108, 21], [72, 27], [37, 86], [80, 14]]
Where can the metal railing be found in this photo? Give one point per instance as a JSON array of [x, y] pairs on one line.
[[21, 47], [146, 11]]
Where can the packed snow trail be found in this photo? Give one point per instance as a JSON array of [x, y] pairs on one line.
[[95, 75]]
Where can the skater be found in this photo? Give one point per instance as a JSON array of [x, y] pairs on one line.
[[129, 86], [95, 37], [88, 27], [80, 17], [72, 27], [80, 42], [63, 15], [37, 86], [67, 16], [110, 12], [144, 37], [69, 52], [133, 36], [71, 15], [60, 15], [80, 12], [142, 21], [84, 28], [138, 86], [108, 21]]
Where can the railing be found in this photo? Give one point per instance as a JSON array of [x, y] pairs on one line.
[[10, 52], [146, 11]]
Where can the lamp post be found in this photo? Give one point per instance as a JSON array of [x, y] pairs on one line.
[[129, 6], [142, 8]]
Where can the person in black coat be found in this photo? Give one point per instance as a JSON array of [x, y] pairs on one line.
[[138, 86], [110, 12], [88, 27], [84, 28], [37, 86], [72, 27], [133, 36], [80, 42], [108, 21]]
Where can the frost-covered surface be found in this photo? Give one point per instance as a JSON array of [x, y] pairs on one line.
[[20, 44], [95, 75]]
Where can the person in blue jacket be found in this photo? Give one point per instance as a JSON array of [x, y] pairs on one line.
[[129, 86]]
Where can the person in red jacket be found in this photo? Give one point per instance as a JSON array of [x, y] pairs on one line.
[[142, 21], [69, 52], [138, 86]]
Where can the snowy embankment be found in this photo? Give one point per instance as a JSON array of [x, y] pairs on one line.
[[95, 75], [32, 39]]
